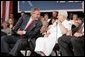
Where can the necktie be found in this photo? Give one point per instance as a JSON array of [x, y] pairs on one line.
[[28, 27]]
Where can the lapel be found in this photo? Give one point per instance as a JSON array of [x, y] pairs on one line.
[[25, 22]]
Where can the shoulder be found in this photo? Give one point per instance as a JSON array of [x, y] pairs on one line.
[[25, 17], [67, 22], [39, 22]]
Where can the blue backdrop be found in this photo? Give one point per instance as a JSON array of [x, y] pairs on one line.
[[48, 6]]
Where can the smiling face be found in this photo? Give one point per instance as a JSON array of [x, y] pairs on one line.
[[75, 16], [77, 22], [35, 13], [10, 21], [62, 15]]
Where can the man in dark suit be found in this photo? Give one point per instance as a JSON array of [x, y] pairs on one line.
[[25, 29]]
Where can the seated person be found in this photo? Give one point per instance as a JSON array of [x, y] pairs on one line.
[[44, 45], [78, 42], [67, 42], [5, 29], [26, 28]]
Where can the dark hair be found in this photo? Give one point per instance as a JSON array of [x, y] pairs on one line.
[[80, 18], [22, 12]]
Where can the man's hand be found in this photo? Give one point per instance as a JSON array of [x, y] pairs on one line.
[[20, 32]]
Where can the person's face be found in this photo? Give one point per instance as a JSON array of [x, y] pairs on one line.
[[22, 14], [10, 21], [36, 14], [61, 17], [46, 17], [79, 21], [74, 17], [54, 14]]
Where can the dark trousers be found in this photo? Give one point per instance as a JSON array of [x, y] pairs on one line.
[[65, 45], [78, 46], [3, 33], [17, 43], [71, 46]]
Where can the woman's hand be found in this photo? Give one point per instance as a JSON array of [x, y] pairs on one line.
[[46, 35], [78, 34]]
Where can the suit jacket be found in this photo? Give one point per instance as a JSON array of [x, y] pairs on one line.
[[33, 30]]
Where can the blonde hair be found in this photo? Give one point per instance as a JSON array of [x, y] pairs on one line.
[[63, 12]]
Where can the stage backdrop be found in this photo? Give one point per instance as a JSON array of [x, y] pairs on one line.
[[6, 10], [49, 6]]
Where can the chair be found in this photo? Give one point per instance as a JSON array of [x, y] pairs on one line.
[[56, 49]]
